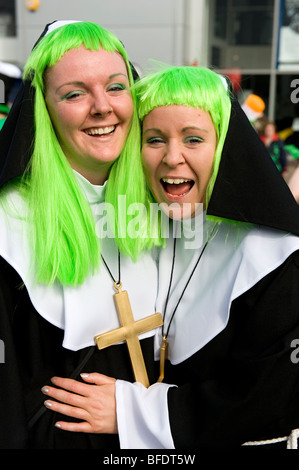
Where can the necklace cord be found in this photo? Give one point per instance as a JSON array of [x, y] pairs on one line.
[[169, 287], [187, 283], [114, 280]]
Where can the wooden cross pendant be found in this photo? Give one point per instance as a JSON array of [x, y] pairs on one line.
[[129, 332]]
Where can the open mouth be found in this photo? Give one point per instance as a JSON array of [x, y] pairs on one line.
[[177, 187], [100, 131]]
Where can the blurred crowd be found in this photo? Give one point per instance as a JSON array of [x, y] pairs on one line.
[[282, 146]]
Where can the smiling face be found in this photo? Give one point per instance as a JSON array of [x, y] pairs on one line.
[[178, 148], [91, 108]]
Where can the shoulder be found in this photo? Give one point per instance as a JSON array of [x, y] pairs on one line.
[[265, 238], [254, 252], [13, 208], [14, 223], [11, 197], [264, 250]]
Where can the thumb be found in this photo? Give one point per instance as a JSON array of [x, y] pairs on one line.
[[97, 379]]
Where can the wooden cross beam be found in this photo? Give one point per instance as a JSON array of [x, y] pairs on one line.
[[129, 332]]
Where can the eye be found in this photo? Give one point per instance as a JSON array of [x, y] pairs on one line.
[[117, 87], [155, 140], [193, 139], [72, 95]]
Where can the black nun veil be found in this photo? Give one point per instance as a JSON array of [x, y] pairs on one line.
[[17, 138], [248, 187]]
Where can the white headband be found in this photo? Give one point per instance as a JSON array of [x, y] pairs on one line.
[[224, 82], [59, 23]]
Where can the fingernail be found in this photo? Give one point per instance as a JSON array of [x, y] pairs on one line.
[[53, 380], [45, 389], [57, 425], [47, 404], [84, 376]]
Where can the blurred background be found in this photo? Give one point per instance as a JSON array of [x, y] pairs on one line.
[[254, 42]]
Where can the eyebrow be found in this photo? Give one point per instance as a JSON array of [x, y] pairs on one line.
[[116, 74], [185, 129], [153, 129], [194, 127], [79, 83], [69, 83]]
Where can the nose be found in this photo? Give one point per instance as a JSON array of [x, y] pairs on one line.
[[173, 155], [100, 105]]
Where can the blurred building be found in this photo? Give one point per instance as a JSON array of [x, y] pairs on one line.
[[255, 42]]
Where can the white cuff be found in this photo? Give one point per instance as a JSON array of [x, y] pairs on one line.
[[142, 416]]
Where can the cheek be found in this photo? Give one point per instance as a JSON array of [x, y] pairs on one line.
[[148, 167], [125, 111], [62, 126], [59, 118], [204, 169], [208, 172]]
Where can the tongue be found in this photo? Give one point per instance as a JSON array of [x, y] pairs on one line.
[[177, 189]]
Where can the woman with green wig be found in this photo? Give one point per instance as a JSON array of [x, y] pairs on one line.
[[69, 149], [226, 356]]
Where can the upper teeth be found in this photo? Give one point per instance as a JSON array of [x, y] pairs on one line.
[[101, 130], [174, 181]]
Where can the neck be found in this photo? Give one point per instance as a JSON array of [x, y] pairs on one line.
[[95, 177]]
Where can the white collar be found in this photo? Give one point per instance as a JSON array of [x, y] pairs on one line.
[[94, 194], [235, 259], [87, 310]]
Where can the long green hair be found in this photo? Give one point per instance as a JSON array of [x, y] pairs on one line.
[[189, 86], [63, 236]]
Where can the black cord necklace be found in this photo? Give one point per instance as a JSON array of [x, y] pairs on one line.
[[117, 283], [164, 346]]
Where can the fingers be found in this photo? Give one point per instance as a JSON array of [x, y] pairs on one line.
[[97, 379], [71, 391], [71, 385], [59, 394], [71, 411], [74, 427], [80, 388]]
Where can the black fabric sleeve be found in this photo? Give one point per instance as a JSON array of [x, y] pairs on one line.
[[244, 384], [13, 427]]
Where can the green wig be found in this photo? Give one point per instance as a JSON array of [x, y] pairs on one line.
[[64, 237], [189, 86]]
